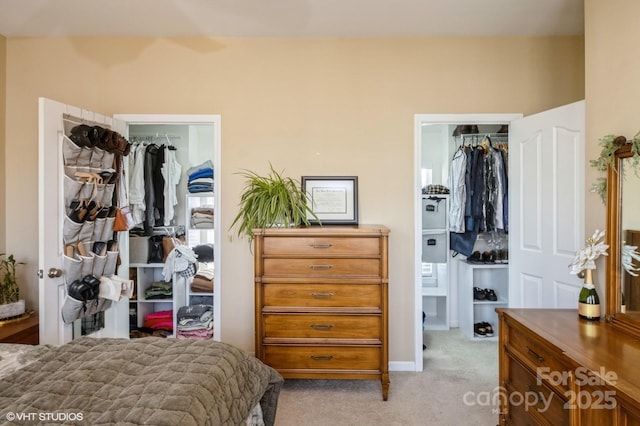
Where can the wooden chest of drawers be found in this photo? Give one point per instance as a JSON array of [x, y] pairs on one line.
[[556, 369], [321, 297]]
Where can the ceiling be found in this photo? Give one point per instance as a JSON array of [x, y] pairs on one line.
[[291, 18]]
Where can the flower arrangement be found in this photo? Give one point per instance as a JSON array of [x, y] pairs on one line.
[[586, 258], [629, 253]]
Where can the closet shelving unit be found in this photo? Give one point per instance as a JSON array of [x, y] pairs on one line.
[[144, 274], [485, 276], [199, 235], [435, 261]]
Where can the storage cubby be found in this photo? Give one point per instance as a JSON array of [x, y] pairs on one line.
[[484, 276]]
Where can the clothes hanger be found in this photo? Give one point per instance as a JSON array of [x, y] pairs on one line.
[[486, 143]]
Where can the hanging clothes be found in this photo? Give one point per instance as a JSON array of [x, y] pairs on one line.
[[458, 191], [171, 171], [463, 242], [486, 195], [495, 179], [136, 183]]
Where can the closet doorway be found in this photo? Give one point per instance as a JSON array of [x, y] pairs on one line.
[[52, 212], [194, 140], [545, 212], [438, 138]]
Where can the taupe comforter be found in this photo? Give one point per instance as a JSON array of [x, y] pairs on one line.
[[149, 380]]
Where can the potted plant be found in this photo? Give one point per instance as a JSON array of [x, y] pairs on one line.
[[270, 201], [10, 303]]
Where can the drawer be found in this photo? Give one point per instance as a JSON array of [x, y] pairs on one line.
[[322, 295], [322, 326], [518, 416], [322, 267], [538, 357], [323, 357], [534, 397], [321, 246]]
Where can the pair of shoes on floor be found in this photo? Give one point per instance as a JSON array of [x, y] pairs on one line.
[[484, 294], [482, 329], [487, 256]]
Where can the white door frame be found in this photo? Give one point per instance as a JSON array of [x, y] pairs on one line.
[[419, 121]]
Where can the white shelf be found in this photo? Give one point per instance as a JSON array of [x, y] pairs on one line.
[[434, 291], [435, 255], [146, 265]]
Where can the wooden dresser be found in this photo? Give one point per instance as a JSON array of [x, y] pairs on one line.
[[25, 331], [556, 369], [321, 297]]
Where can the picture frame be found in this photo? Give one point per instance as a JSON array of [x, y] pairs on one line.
[[334, 199]]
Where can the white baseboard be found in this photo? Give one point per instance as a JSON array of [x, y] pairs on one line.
[[402, 366]]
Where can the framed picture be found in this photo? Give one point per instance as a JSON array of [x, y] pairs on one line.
[[334, 199]]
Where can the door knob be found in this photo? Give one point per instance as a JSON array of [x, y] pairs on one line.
[[54, 273]]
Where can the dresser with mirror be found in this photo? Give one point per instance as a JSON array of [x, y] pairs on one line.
[[558, 369]]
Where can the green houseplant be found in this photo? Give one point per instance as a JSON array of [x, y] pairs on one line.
[[610, 144], [10, 303], [270, 201]]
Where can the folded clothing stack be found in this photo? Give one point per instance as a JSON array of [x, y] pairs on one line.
[[201, 177], [159, 290], [195, 322], [159, 320], [203, 280], [202, 217]]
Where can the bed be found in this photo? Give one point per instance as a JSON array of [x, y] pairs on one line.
[[148, 380]]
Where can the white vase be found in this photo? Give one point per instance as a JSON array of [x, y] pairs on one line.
[[12, 309]]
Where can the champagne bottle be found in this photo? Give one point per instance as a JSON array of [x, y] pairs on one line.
[[588, 301]]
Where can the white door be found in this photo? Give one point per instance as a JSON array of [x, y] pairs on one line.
[[546, 207], [51, 216]]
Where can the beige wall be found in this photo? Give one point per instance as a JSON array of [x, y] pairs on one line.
[[310, 106], [3, 103], [612, 61]]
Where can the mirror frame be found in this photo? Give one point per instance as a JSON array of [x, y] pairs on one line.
[[627, 322]]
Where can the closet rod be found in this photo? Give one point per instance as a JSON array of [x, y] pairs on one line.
[[481, 135], [157, 136]]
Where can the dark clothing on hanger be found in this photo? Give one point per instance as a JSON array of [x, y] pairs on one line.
[[150, 164]]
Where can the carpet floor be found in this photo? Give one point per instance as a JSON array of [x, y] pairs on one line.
[[456, 387]]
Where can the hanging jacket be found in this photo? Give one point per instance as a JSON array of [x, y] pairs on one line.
[[458, 191]]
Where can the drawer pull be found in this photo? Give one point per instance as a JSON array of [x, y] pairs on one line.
[[532, 352], [322, 295], [322, 357], [322, 326], [320, 267], [321, 245]]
